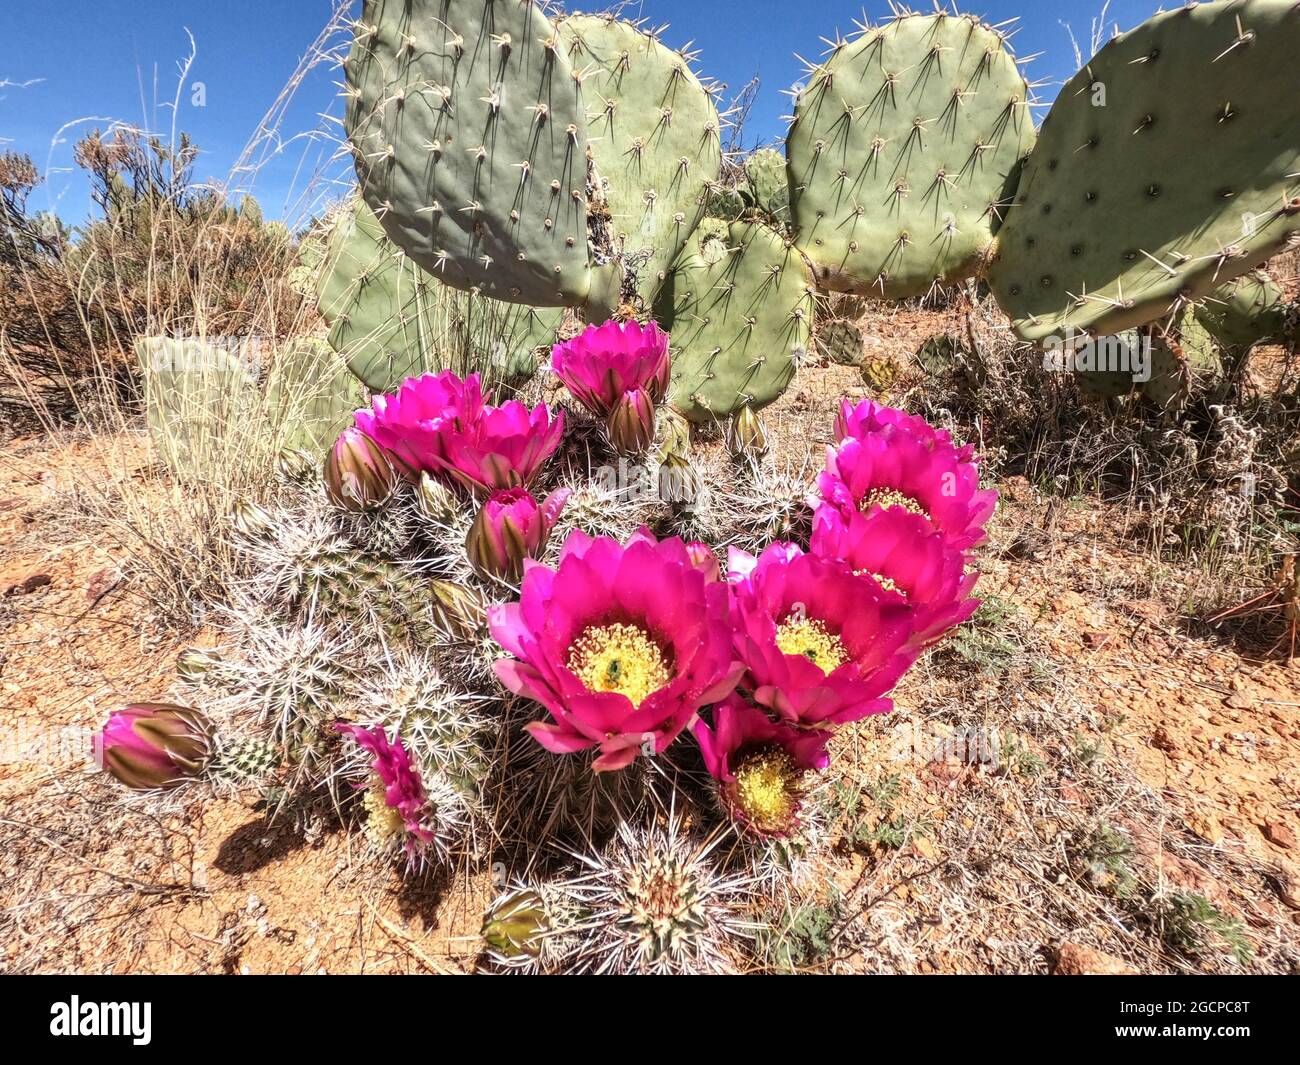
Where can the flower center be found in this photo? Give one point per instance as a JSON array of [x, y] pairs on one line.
[[890, 497], [383, 823], [619, 658], [810, 638], [884, 582], [767, 788]]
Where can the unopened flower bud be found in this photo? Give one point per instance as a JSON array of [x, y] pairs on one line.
[[359, 474], [746, 437], [150, 746], [510, 528], [631, 424]]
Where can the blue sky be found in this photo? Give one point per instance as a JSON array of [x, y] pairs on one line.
[[65, 60]]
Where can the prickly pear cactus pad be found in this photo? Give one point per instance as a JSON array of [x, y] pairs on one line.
[[739, 313], [390, 320], [384, 314], [311, 395], [469, 133], [1167, 166], [766, 179], [1250, 310], [653, 131], [904, 148]]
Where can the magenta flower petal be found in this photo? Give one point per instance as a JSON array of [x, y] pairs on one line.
[[759, 764], [511, 528], [896, 466], [621, 643], [902, 552], [441, 425], [403, 789], [606, 361], [821, 644], [862, 419]]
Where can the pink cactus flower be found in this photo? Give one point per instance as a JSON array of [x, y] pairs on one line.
[[862, 419], [505, 448], [404, 800], [912, 562], [822, 646], [706, 561], [622, 644], [604, 361], [759, 765], [440, 425], [512, 527], [412, 422], [892, 467]]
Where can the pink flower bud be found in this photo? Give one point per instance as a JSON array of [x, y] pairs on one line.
[[154, 745], [631, 424], [359, 474], [510, 528]]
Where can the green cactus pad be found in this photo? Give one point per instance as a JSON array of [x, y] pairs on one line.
[[904, 147], [1248, 311], [198, 398], [766, 180], [940, 355], [387, 317], [739, 320], [1185, 179], [839, 341], [653, 132], [390, 320], [311, 396], [469, 134], [1110, 365]]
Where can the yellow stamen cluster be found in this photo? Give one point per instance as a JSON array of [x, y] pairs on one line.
[[810, 638], [890, 497], [767, 789], [383, 823], [619, 658], [884, 582]]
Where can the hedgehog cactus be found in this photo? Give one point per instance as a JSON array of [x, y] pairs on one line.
[[904, 149]]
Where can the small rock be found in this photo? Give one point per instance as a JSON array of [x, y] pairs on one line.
[[1074, 959], [1239, 701], [1162, 740], [1287, 882], [1207, 827], [100, 583], [924, 849], [1095, 640], [1279, 835], [23, 584]]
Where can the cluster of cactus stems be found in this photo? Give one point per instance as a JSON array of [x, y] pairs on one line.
[[515, 161], [912, 161], [538, 162]]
